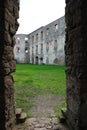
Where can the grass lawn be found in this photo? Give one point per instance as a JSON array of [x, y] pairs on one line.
[[31, 80]]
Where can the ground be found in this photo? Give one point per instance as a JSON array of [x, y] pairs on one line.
[[42, 124], [44, 105], [40, 92], [43, 114]]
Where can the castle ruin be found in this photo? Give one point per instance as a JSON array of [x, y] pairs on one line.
[[43, 46], [75, 58]]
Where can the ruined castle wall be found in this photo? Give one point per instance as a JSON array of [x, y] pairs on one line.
[[35, 42], [56, 41], [8, 28], [76, 62], [20, 48], [46, 45]]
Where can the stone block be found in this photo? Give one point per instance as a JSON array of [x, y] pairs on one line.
[[7, 38], [9, 5], [8, 81], [6, 26], [12, 66], [16, 11], [13, 42], [9, 17], [12, 30]]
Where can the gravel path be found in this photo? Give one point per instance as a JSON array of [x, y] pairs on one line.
[[45, 105]]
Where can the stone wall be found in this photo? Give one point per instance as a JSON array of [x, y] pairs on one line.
[[20, 54], [76, 62], [8, 27], [44, 46]]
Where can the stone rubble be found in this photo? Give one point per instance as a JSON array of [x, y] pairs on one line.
[[43, 124], [40, 124]]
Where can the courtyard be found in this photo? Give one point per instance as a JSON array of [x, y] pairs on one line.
[[40, 88]]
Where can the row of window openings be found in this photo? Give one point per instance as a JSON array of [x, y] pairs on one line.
[[47, 60], [37, 49], [26, 39], [26, 49], [55, 44], [18, 40], [18, 50], [37, 37], [47, 48], [56, 29]]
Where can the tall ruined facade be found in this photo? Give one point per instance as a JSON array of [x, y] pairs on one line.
[[76, 62], [8, 27], [43, 46]]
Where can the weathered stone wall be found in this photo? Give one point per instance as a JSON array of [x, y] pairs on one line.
[[76, 62], [8, 27], [38, 40], [20, 54]]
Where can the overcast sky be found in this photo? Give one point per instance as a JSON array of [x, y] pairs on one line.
[[36, 13]]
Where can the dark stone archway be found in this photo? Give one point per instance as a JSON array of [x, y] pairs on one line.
[[56, 61], [76, 62], [36, 59]]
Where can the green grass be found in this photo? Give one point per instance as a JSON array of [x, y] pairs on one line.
[[31, 80]]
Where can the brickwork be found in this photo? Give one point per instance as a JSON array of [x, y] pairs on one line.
[[8, 27], [76, 62]]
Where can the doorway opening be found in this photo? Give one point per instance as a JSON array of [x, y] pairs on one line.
[[41, 91]]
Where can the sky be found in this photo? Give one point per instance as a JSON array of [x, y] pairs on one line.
[[36, 13]]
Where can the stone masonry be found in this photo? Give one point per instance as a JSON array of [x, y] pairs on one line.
[[76, 62], [43, 46], [8, 27]]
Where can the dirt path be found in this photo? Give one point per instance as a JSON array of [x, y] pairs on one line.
[[44, 105], [43, 114]]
